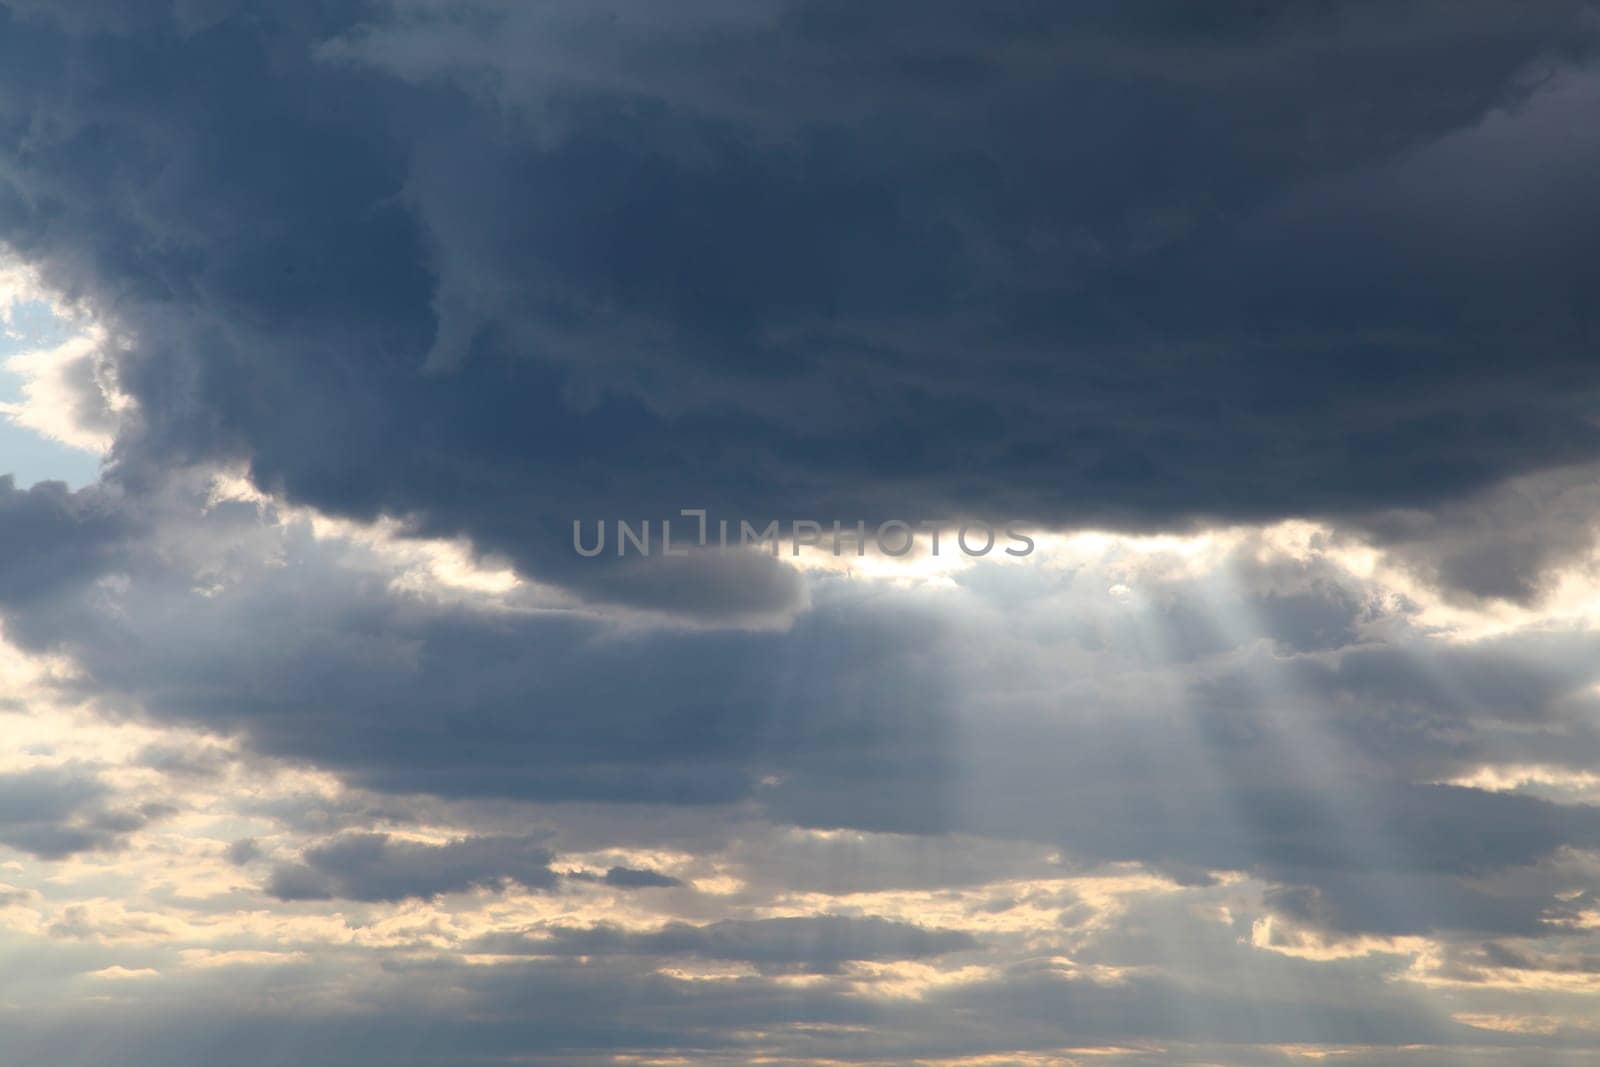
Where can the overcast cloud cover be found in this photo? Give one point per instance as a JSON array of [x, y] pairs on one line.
[[1274, 325]]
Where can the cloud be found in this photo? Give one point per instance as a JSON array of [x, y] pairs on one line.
[[639, 878], [536, 264], [1509, 542], [1260, 709], [1275, 325], [380, 867], [811, 943], [52, 813], [52, 537], [64, 396]]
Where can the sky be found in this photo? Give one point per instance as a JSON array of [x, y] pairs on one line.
[[1270, 328], [33, 337]]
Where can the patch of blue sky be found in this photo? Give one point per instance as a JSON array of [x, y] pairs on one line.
[[26, 454]]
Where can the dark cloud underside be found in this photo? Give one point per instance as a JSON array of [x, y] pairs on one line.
[[499, 267]]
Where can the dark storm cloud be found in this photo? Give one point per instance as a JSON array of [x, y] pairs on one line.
[[494, 267], [377, 867]]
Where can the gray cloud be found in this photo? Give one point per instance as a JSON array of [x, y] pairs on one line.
[[814, 943], [53, 813], [1500, 543], [565, 1011], [54, 538], [380, 867], [484, 268], [1287, 741], [639, 878], [493, 292]]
